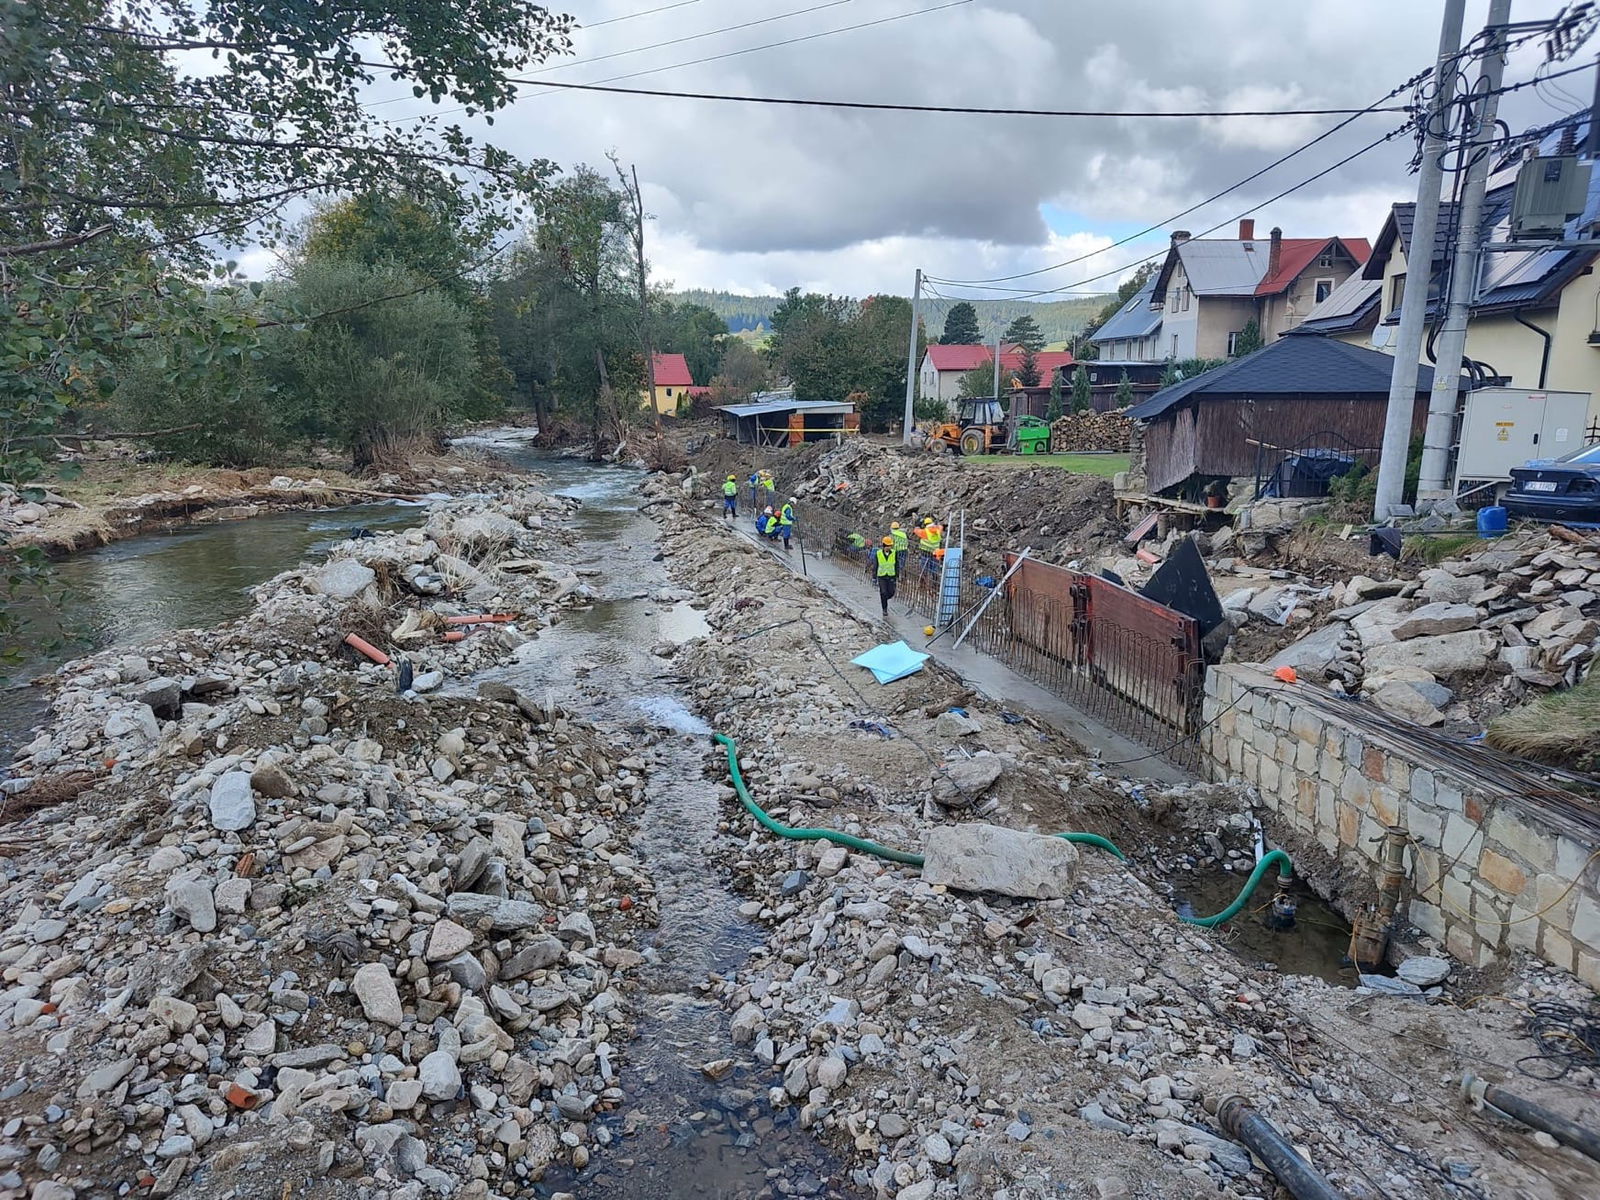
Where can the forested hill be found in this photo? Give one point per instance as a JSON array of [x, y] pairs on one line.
[[1058, 319]]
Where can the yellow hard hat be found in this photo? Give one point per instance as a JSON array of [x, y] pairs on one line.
[[730, 478], [927, 520], [927, 631], [888, 541], [894, 524]]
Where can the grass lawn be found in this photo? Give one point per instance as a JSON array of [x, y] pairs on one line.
[[1081, 464]]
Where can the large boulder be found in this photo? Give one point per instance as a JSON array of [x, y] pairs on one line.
[[1405, 702], [987, 858], [342, 578], [1446, 654], [1375, 625], [1447, 587], [1433, 619], [957, 784], [1313, 653]]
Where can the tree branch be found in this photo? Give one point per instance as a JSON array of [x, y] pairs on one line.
[[60, 243]]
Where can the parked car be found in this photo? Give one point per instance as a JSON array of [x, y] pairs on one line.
[[1557, 489]]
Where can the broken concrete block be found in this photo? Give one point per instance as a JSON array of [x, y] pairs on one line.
[[988, 858]]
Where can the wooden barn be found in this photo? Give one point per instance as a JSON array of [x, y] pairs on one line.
[[1302, 395]]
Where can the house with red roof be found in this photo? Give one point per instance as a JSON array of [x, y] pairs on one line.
[[1209, 289], [943, 367], [674, 383]]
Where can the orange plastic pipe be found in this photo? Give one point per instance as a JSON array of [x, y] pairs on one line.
[[362, 646], [455, 635], [482, 619]]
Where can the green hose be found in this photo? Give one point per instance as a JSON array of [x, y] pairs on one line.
[[731, 748], [1285, 873]]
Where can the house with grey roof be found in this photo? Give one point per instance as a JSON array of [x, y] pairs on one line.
[[1535, 319], [1209, 290]]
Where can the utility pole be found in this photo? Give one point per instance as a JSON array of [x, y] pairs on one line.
[[1433, 483], [1414, 301], [997, 366], [911, 362]]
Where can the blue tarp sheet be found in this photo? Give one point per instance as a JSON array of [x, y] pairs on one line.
[[891, 661]]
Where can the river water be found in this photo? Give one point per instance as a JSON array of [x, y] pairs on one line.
[[143, 588]]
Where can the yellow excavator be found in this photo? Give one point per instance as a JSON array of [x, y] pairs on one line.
[[982, 427]]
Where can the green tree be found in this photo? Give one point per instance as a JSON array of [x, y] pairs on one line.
[[960, 326], [876, 357], [1056, 408], [743, 372], [807, 344], [1028, 369], [1125, 292], [1024, 332], [1248, 340], [693, 331], [1082, 397], [1124, 391], [977, 382]]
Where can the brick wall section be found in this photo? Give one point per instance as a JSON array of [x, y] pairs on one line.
[[1340, 785]]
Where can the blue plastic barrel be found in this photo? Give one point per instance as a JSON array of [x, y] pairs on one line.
[[1491, 521]]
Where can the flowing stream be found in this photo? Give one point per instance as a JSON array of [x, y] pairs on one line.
[[682, 1134]]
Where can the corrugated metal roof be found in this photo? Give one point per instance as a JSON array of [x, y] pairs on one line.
[[1291, 365], [778, 406], [1224, 268], [1135, 319]]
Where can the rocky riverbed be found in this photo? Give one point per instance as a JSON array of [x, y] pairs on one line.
[[273, 923], [273, 926]]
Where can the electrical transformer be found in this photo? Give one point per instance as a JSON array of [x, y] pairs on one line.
[[1551, 190]]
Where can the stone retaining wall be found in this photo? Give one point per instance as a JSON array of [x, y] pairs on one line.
[[1339, 784]]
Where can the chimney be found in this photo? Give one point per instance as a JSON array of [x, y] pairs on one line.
[[1247, 229], [1276, 255], [1179, 235]]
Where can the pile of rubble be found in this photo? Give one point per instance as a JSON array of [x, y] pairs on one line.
[[297, 925], [1091, 431], [1062, 515], [952, 1040], [1521, 615]]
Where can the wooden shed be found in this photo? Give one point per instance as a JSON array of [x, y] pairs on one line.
[[1302, 394]]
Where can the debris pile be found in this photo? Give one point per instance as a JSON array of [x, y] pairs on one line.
[[1464, 640], [1091, 431], [301, 926], [1062, 515]]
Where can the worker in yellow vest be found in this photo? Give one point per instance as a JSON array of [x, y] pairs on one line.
[[730, 498], [887, 560], [930, 536], [899, 538], [786, 522]]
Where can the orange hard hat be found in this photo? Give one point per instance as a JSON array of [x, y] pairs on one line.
[[888, 541], [1286, 675]]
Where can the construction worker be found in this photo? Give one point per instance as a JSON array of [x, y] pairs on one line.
[[767, 524], [755, 490], [898, 536], [769, 486], [930, 536], [730, 498], [887, 561], [786, 522]]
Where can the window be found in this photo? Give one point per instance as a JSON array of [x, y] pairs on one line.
[[1324, 289], [669, 393], [1397, 291], [1325, 262], [1174, 345], [1233, 342]]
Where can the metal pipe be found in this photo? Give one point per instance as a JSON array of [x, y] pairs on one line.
[[1544, 358], [1369, 936], [1480, 1093], [1245, 1124]]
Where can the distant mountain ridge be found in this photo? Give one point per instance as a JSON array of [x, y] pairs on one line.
[[1058, 320]]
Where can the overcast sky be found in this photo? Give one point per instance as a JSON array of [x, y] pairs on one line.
[[757, 198]]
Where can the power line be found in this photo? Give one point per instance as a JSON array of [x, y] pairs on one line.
[[1233, 187], [642, 13], [1024, 295], [692, 37], [877, 106], [598, 84]]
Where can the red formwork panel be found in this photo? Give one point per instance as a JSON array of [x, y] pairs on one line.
[[1141, 651]]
